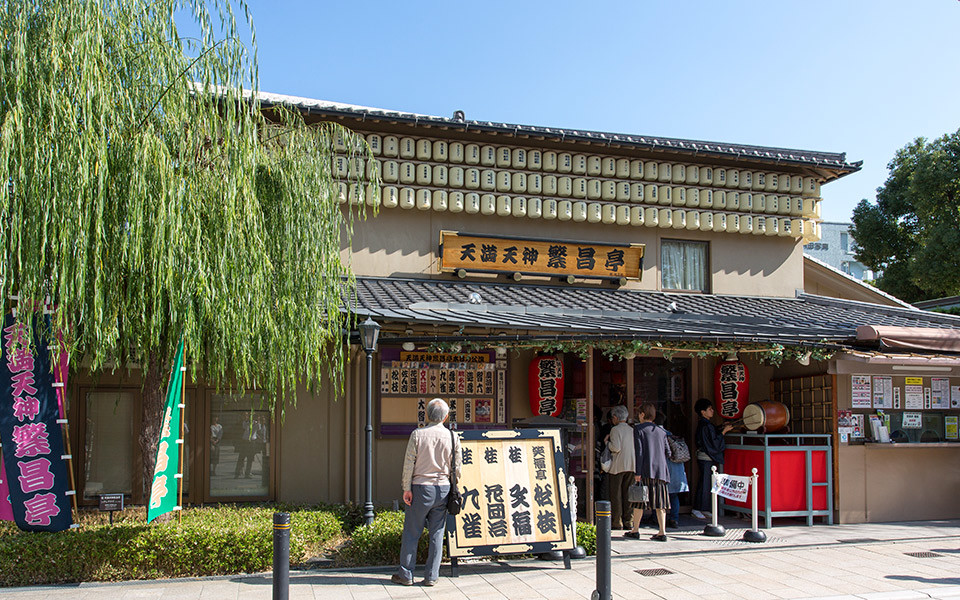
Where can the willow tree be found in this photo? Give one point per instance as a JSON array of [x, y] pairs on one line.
[[150, 199]]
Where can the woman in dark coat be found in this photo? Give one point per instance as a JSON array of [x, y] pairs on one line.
[[652, 451]]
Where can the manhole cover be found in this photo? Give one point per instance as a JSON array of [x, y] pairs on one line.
[[858, 540], [923, 554], [654, 572]]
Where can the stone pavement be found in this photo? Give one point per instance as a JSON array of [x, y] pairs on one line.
[[841, 562]]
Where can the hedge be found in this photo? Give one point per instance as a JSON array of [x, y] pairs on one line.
[[219, 540]]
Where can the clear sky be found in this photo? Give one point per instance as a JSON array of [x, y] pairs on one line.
[[863, 77]]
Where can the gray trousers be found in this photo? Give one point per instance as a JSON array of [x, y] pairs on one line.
[[429, 507]]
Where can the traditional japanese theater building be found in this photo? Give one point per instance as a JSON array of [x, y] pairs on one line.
[[642, 262]]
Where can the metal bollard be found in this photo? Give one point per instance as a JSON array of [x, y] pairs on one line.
[[281, 556], [714, 529], [603, 591], [754, 534], [578, 552]]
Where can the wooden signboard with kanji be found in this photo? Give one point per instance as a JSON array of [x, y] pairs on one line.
[[489, 254], [514, 494]]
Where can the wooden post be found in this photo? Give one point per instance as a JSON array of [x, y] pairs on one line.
[[631, 387], [590, 446]]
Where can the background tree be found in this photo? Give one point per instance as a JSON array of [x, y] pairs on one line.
[[148, 196], [912, 233]]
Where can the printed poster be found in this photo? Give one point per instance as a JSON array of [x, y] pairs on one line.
[[883, 392], [913, 395], [950, 428], [939, 393], [514, 494], [955, 396], [861, 391]]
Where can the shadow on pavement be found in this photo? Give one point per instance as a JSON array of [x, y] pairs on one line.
[[931, 580], [339, 579]]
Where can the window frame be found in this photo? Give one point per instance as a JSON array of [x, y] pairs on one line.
[[707, 266]]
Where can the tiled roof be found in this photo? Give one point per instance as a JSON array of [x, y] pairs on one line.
[[832, 160], [551, 309]]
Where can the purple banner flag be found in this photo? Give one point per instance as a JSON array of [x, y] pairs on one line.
[[34, 469]]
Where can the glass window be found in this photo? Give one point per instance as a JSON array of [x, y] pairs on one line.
[[240, 438], [844, 242], [683, 265], [109, 443]]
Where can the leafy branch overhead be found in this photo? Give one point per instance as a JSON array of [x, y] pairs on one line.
[[150, 197], [912, 232]]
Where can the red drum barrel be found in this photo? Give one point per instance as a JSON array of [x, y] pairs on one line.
[[769, 415]]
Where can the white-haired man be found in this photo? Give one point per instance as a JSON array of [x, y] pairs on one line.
[[426, 482]]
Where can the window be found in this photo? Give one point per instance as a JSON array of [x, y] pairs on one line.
[[683, 266], [109, 443], [844, 242], [240, 456]]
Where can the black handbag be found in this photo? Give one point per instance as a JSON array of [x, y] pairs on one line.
[[454, 499]]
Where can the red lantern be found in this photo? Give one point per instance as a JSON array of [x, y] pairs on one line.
[[731, 388], [546, 386]]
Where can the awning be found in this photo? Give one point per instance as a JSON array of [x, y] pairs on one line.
[[911, 338]]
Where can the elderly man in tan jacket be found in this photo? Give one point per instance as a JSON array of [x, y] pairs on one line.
[[432, 452], [620, 443]]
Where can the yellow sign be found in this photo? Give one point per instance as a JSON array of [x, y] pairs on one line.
[[514, 494], [539, 257], [914, 381]]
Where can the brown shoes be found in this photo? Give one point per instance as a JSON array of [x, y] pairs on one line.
[[429, 582], [397, 579]]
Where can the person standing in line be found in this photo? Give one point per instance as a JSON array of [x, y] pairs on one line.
[[710, 448], [678, 485], [432, 452], [622, 467], [652, 454]]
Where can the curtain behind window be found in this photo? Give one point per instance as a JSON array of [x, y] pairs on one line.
[[683, 265]]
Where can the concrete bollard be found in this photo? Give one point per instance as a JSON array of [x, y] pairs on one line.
[[281, 556], [604, 578]]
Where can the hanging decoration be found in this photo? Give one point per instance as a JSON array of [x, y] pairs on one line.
[[546, 386], [731, 388]]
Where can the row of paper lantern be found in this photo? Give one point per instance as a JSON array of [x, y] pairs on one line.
[[441, 151], [595, 189], [591, 212]]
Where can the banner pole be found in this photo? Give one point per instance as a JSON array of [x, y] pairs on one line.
[[183, 412], [61, 392]]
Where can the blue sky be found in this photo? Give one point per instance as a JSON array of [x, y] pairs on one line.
[[862, 77]]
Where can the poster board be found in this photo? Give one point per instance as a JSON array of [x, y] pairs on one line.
[[860, 391], [514, 491], [473, 384]]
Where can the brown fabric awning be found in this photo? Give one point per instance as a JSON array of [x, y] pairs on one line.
[[911, 338]]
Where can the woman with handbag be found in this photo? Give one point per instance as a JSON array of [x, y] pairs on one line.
[[622, 467], [431, 461], [652, 452]]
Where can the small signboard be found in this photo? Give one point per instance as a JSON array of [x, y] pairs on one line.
[[912, 420], [497, 254], [111, 502], [514, 494]]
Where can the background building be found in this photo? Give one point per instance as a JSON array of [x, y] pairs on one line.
[[836, 248]]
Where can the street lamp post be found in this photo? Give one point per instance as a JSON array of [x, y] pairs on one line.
[[369, 332]]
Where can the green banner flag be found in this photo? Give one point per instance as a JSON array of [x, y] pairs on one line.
[[163, 492]]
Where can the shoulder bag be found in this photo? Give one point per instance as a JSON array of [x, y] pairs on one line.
[[680, 452], [454, 501]]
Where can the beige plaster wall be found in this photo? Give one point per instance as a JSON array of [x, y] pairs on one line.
[[404, 243]]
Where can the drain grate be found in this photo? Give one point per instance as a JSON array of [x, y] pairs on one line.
[[923, 554], [654, 572], [858, 540]]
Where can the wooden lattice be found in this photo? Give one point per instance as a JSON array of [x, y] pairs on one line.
[[810, 400]]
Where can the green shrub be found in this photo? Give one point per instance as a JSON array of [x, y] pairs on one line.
[[587, 537], [209, 541], [379, 542]]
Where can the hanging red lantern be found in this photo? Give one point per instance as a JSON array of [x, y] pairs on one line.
[[731, 388], [546, 386]]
